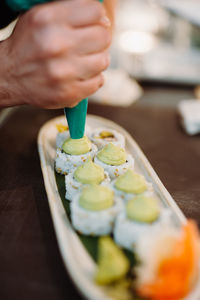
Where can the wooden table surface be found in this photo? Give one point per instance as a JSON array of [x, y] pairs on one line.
[[30, 264]]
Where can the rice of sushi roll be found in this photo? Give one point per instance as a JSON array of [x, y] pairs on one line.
[[131, 184], [140, 216], [114, 160], [169, 262], [103, 136], [73, 153], [93, 211], [87, 173], [63, 133]]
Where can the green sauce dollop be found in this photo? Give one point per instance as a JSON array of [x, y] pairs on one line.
[[112, 264], [89, 173], [96, 198], [77, 146], [142, 209], [112, 155], [131, 182]]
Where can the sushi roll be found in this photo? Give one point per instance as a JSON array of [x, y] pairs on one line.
[[63, 133], [168, 262], [103, 136], [140, 216], [73, 153], [93, 211], [87, 173], [114, 160], [131, 184]]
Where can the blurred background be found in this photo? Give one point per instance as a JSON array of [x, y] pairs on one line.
[[159, 40], [157, 43]]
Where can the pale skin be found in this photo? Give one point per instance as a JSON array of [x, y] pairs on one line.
[[56, 54]]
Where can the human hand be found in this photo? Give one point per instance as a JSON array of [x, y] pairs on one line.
[[55, 55]]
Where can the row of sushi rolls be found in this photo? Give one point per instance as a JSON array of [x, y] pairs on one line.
[[109, 199]]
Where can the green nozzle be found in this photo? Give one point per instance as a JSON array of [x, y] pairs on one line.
[[76, 118]]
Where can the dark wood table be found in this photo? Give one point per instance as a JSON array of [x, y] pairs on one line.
[[30, 264]]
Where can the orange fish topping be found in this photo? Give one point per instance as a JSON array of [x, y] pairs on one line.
[[177, 273]]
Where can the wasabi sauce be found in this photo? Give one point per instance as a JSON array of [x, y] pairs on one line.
[[112, 155], [77, 146], [96, 198], [112, 263], [89, 173], [131, 182], [142, 209]]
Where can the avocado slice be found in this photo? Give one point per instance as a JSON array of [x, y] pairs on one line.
[[113, 265]]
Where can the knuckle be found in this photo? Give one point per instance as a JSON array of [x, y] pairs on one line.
[[104, 62], [67, 95], [107, 37], [50, 44], [60, 72], [98, 10], [104, 35], [97, 83], [45, 41], [45, 47], [33, 16], [39, 16], [53, 72], [100, 81]]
